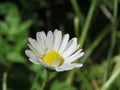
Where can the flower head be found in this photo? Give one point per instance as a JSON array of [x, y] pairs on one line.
[[54, 51]]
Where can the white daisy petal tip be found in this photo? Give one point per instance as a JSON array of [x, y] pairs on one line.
[[69, 66], [54, 51], [56, 29], [78, 65]]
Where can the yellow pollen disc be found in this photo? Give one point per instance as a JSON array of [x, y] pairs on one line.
[[51, 57]]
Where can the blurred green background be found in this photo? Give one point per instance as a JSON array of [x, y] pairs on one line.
[[96, 24]]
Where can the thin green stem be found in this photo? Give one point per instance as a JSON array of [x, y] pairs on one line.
[[84, 33], [94, 44], [110, 52], [113, 40], [45, 80], [4, 81], [70, 77], [111, 80], [115, 9], [34, 82], [87, 23], [76, 26], [77, 11], [90, 49]]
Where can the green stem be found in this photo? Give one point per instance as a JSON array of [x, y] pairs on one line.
[[70, 77], [113, 39], [115, 10], [90, 49], [45, 80], [76, 26], [84, 33], [111, 80], [77, 11], [94, 44], [4, 81], [34, 82], [87, 23], [110, 53]]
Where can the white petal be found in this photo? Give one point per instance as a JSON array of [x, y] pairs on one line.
[[35, 51], [33, 42], [55, 31], [71, 48], [41, 40], [33, 61], [57, 42], [64, 43], [45, 39], [74, 54], [32, 56], [50, 40], [69, 43], [35, 46], [68, 66], [74, 58]]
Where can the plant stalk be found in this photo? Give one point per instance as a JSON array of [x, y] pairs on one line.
[[45, 80]]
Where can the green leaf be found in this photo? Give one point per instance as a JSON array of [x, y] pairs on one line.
[[3, 28], [13, 16], [117, 64], [15, 57], [25, 26], [61, 86]]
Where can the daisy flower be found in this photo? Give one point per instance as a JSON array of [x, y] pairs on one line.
[[54, 51]]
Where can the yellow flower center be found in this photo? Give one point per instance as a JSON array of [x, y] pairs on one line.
[[52, 57]]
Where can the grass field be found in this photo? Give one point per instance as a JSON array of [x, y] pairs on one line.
[[95, 23]]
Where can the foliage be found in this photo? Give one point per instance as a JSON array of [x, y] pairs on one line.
[[94, 22]]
